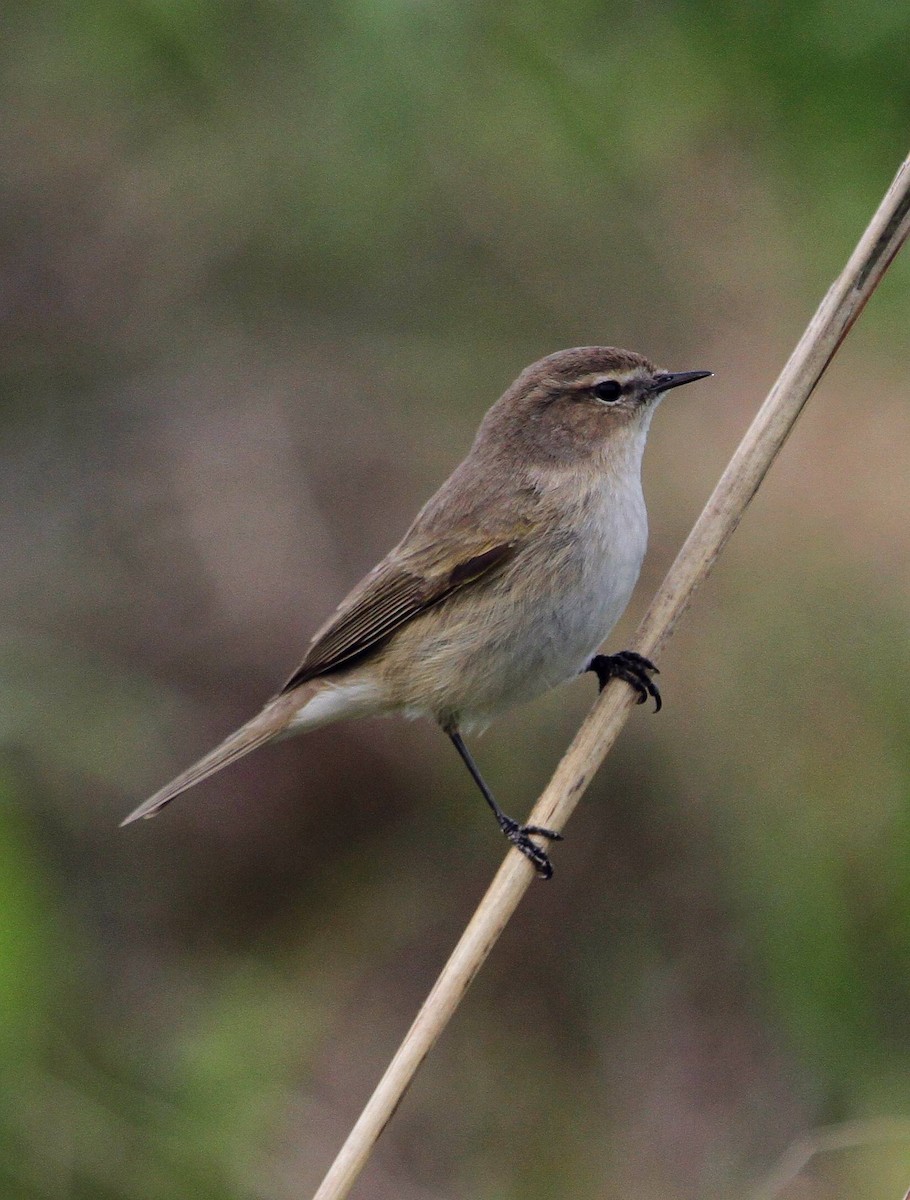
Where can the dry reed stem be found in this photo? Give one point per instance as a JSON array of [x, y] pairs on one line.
[[845, 300]]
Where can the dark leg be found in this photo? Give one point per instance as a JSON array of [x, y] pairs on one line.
[[631, 667], [517, 834]]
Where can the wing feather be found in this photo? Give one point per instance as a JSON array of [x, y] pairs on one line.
[[392, 594]]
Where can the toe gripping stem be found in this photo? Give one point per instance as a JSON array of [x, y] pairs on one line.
[[634, 668], [519, 835]]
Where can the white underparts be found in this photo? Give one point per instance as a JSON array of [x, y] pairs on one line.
[[335, 702]]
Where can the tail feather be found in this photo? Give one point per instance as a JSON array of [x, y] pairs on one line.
[[268, 724]]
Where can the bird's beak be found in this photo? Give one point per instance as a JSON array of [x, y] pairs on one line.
[[670, 379]]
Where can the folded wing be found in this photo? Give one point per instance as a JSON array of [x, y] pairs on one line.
[[395, 592]]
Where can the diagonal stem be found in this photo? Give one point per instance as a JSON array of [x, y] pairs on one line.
[[833, 320]]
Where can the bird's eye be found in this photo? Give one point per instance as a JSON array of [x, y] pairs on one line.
[[608, 390]]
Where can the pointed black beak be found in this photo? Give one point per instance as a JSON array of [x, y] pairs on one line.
[[671, 379]]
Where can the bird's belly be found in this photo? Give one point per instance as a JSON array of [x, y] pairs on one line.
[[472, 660], [554, 640]]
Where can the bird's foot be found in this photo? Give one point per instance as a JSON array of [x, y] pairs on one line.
[[633, 668], [520, 837]]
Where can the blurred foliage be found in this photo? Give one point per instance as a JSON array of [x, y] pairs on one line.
[[263, 266]]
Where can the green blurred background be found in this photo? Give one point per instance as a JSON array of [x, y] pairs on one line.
[[264, 266]]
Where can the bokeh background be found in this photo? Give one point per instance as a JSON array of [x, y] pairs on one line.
[[264, 266]]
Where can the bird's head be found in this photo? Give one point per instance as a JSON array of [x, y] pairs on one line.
[[574, 404]]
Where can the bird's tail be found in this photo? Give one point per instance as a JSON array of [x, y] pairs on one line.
[[264, 727]]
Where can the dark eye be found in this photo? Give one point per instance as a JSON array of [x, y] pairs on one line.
[[607, 390]]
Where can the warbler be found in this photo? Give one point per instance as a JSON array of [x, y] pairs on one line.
[[507, 582]]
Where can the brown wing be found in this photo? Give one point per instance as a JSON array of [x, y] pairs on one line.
[[388, 597]]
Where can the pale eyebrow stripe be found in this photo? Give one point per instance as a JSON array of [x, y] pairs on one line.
[[589, 381], [557, 386]]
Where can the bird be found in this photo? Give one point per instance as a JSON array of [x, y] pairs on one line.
[[506, 583]]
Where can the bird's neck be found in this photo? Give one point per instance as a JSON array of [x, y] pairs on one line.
[[615, 465]]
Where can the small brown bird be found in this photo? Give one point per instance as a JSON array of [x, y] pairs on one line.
[[506, 583]]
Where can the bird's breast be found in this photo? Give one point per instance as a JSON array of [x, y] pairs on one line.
[[601, 567]]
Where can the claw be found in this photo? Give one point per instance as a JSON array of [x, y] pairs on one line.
[[634, 669], [518, 835], [541, 831]]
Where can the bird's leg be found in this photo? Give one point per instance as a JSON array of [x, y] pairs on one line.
[[518, 835], [633, 668]]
